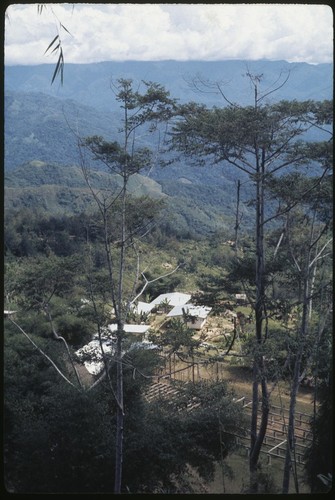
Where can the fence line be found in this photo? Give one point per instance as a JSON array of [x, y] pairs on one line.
[[274, 441]]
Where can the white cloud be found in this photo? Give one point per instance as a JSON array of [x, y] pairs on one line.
[[101, 32]]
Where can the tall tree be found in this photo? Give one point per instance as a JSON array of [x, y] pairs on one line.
[[319, 454], [261, 141], [305, 244], [141, 111]]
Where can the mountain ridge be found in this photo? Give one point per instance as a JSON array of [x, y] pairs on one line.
[[39, 117], [90, 83], [43, 122]]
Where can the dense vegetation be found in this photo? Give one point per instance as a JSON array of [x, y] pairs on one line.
[[191, 206], [66, 429], [59, 440], [78, 256]]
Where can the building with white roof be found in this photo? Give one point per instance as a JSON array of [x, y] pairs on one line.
[[198, 314], [91, 355], [143, 307], [173, 299], [130, 328], [8, 313]]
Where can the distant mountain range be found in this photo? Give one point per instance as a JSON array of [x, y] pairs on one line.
[[41, 121], [90, 83]]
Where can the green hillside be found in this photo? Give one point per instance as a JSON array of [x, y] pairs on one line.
[[42, 127], [38, 126], [55, 188], [58, 189], [38, 173]]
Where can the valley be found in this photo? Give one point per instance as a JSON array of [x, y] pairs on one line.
[[199, 267]]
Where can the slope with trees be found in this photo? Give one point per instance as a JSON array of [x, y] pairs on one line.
[[53, 263], [262, 141], [104, 263]]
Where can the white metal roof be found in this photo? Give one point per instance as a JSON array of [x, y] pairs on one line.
[[144, 307], [174, 298], [191, 310], [130, 328]]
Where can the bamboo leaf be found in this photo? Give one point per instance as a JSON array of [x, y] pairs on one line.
[[62, 26], [51, 44], [59, 65], [56, 48], [61, 74], [59, 69]]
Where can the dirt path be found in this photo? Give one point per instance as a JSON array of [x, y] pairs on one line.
[[241, 381]]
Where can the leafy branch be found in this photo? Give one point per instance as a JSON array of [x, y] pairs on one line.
[[59, 69], [55, 46]]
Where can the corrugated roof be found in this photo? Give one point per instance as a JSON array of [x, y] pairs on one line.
[[144, 307], [173, 298], [191, 310]]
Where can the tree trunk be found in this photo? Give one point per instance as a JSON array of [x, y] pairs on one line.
[[237, 218], [120, 332], [253, 429], [119, 417], [290, 447], [259, 374]]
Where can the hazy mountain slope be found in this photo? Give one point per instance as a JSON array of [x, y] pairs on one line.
[[39, 119], [90, 83], [59, 189], [42, 122], [41, 127]]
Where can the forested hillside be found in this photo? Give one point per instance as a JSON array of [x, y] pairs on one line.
[[192, 207], [40, 117], [168, 304]]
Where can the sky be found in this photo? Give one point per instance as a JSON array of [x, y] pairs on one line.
[[183, 32]]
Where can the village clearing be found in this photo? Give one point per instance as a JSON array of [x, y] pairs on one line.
[[218, 331]]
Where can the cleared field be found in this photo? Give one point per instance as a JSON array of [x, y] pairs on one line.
[[219, 331], [273, 450]]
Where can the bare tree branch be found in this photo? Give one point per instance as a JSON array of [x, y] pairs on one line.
[[59, 337], [43, 354], [148, 282]]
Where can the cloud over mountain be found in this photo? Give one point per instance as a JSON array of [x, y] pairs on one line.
[[151, 32]]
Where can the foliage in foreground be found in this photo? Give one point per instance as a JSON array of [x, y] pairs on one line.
[[58, 440]]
